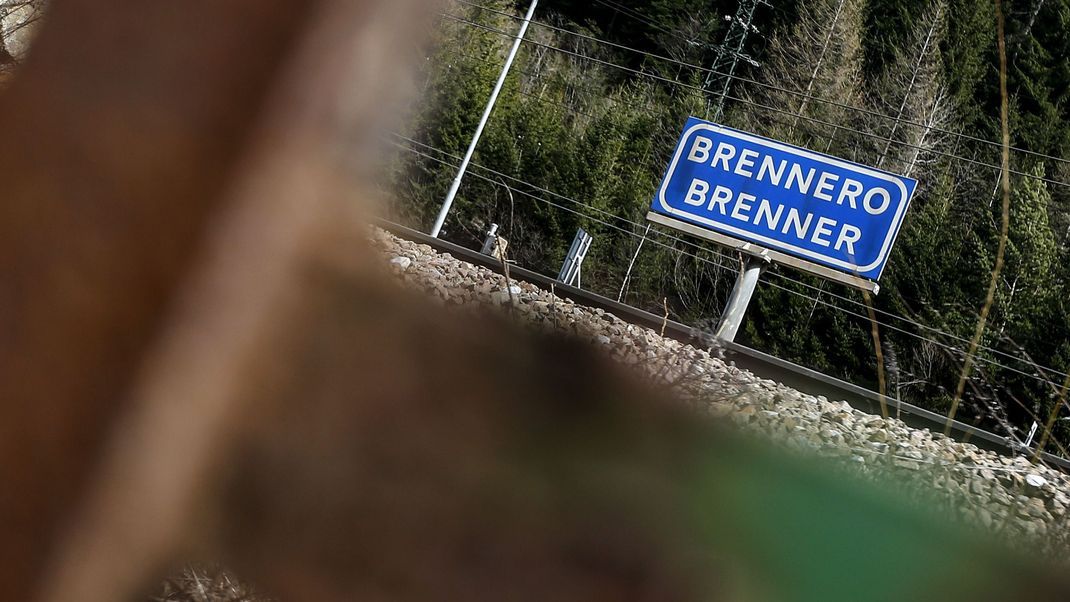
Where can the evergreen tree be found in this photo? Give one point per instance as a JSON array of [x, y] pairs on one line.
[[819, 57], [587, 131], [911, 100]]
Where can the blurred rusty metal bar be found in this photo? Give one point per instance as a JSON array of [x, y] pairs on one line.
[[122, 131]]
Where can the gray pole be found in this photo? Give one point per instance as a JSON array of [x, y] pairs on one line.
[[738, 301], [631, 264], [483, 122]]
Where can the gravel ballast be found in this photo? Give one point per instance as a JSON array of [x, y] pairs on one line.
[[997, 493]]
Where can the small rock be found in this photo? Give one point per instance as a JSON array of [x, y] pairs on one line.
[[983, 484], [880, 436], [502, 297], [874, 422], [913, 454], [720, 410]]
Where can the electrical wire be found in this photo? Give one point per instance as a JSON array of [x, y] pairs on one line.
[[536, 97], [675, 239], [550, 203], [762, 106], [804, 95], [722, 266], [624, 10], [817, 299]]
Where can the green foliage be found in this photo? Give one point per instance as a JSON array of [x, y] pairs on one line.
[[568, 128]]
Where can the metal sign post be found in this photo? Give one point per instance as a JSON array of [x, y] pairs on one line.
[[736, 308], [780, 203], [452, 194], [570, 270]]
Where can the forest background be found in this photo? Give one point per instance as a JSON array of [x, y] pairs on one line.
[[596, 100]]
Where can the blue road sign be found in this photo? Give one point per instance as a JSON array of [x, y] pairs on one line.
[[819, 208]]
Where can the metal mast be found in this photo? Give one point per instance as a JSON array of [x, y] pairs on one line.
[[456, 185], [729, 54]]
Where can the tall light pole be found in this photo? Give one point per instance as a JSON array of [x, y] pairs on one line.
[[452, 194]]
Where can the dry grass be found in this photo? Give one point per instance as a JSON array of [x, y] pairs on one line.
[[197, 584]]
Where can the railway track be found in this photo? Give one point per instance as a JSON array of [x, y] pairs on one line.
[[761, 364]]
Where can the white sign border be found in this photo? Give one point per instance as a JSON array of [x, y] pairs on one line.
[[754, 250], [897, 221]]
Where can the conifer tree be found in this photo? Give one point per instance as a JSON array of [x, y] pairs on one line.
[[910, 106], [820, 57]]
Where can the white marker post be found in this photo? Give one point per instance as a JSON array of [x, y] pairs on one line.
[[736, 308], [441, 219]]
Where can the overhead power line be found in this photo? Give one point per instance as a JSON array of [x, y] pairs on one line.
[[803, 95], [551, 203], [675, 239], [814, 120], [861, 305], [537, 97], [635, 15], [1029, 412]]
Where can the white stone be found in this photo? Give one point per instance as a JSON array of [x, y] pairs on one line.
[[982, 483]]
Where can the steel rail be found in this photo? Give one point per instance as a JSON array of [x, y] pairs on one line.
[[758, 363]]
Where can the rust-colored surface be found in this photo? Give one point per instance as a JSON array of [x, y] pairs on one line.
[[118, 137], [197, 356]]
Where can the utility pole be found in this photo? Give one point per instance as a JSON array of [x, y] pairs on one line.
[[452, 194], [729, 54]]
